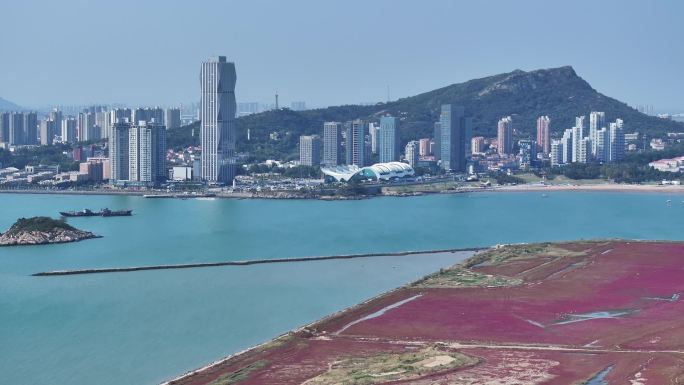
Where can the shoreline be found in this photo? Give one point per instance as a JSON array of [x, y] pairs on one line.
[[532, 187], [312, 325], [604, 187]]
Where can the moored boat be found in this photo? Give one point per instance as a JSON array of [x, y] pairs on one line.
[[102, 213], [82, 213]]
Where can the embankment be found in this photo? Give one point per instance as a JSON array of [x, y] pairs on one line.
[[243, 263]]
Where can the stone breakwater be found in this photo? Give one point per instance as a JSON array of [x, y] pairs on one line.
[[245, 262], [56, 235]]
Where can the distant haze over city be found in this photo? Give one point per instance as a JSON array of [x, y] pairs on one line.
[[330, 54]]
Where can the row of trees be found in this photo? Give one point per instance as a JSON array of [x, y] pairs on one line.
[[291, 172], [625, 172], [22, 157]]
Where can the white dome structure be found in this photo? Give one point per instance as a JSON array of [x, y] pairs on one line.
[[376, 172]]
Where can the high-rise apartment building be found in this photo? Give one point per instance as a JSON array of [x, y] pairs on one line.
[[147, 152], [373, 131], [567, 145], [477, 144], [544, 134], [617, 141], [217, 115], [437, 138], [172, 118], [15, 133], [411, 153], [528, 153], [119, 151], [356, 142], [332, 144], [584, 150], [577, 136], [50, 127], [4, 127], [505, 135], [601, 145], [424, 147], [55, 127], [387, 145], [21, 128], [102, 121], [310, 147], [30, 128], [597, 121], [87, 127], [69, 130], [47, 131], [121, 115], [147, 114], [453, 127], [556, 154]]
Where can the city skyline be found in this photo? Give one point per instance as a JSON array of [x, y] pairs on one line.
[[307, 75]]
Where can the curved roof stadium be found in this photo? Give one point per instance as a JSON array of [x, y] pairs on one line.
[[377, 172]]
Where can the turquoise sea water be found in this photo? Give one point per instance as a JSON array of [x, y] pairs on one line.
[[146, 327]]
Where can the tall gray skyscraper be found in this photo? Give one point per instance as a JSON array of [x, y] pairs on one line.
[[387, 146], [30, 128], [437, 152], [217, 113], [332, 144], [356, 142], [453, 127], [4, 127], [118, 150], [17, 130], [172, 118]]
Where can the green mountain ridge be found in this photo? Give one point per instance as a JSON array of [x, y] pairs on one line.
[[557, 92]]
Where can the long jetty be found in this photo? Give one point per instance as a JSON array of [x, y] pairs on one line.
[[245, 262]]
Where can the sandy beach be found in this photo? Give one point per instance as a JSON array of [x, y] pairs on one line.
[[604, 187]]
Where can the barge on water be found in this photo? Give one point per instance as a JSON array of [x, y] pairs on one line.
[[102, 213]]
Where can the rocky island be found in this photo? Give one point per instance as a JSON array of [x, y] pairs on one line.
[[42, 230]]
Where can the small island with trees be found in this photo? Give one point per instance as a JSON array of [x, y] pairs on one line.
[[41, 231]]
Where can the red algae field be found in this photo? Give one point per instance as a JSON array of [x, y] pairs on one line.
[[584, 312]]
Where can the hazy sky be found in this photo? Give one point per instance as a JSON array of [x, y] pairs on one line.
[[331, 52]]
